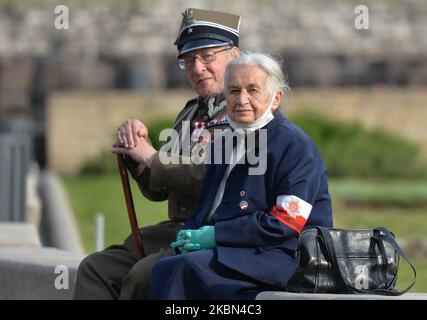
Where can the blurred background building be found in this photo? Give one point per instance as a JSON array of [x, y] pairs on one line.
[[128, 45]]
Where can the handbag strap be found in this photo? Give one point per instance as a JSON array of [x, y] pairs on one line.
[[379, 234]]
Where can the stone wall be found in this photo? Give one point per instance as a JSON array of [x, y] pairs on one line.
[[80, 125], [401, 112]]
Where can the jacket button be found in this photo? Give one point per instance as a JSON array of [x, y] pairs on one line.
[[182, 209], [242, 193]]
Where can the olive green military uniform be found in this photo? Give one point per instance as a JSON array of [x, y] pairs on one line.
[[115, 272]]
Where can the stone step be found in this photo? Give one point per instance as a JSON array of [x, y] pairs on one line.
[[19, 235], [37, 273], [283, 295]]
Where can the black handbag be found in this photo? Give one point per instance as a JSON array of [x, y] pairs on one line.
[[348, 261]]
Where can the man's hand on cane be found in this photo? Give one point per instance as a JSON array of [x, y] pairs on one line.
[[132, 140]]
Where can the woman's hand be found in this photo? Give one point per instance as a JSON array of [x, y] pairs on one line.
[[190, 240]]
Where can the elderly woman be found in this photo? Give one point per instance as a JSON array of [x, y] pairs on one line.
[[243, 238]]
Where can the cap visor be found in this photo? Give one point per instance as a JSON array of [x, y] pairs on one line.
[[200, 44]]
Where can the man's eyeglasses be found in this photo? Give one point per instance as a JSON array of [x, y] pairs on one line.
[[185, 63]]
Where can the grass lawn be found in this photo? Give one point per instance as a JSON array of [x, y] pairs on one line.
[[400, 206], [92, 194], [404, 223], [406, 275], [380, 193]]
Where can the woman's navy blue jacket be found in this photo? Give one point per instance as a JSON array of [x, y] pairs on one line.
[[250, 239]]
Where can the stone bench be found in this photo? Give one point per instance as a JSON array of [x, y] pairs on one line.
[[30, 271], [38, 273], [283, 295]]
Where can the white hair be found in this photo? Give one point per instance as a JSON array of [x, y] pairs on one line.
[[275, 75]]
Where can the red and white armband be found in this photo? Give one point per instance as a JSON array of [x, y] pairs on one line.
[[292, 211]]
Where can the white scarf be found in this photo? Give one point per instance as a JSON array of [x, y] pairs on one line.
[[262, 121]]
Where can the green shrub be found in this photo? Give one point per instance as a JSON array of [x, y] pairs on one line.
[[154, 129], [103, 163], [348, 150]]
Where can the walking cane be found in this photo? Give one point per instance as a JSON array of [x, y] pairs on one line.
[[130, 207]]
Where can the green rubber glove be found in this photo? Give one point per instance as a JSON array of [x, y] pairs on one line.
[[190, 240], [205, 237], [181, 240]]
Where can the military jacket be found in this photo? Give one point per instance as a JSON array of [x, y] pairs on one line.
[[179, 181]]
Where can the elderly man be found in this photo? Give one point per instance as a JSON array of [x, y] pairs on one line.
[[243, 237], [206, 43]]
